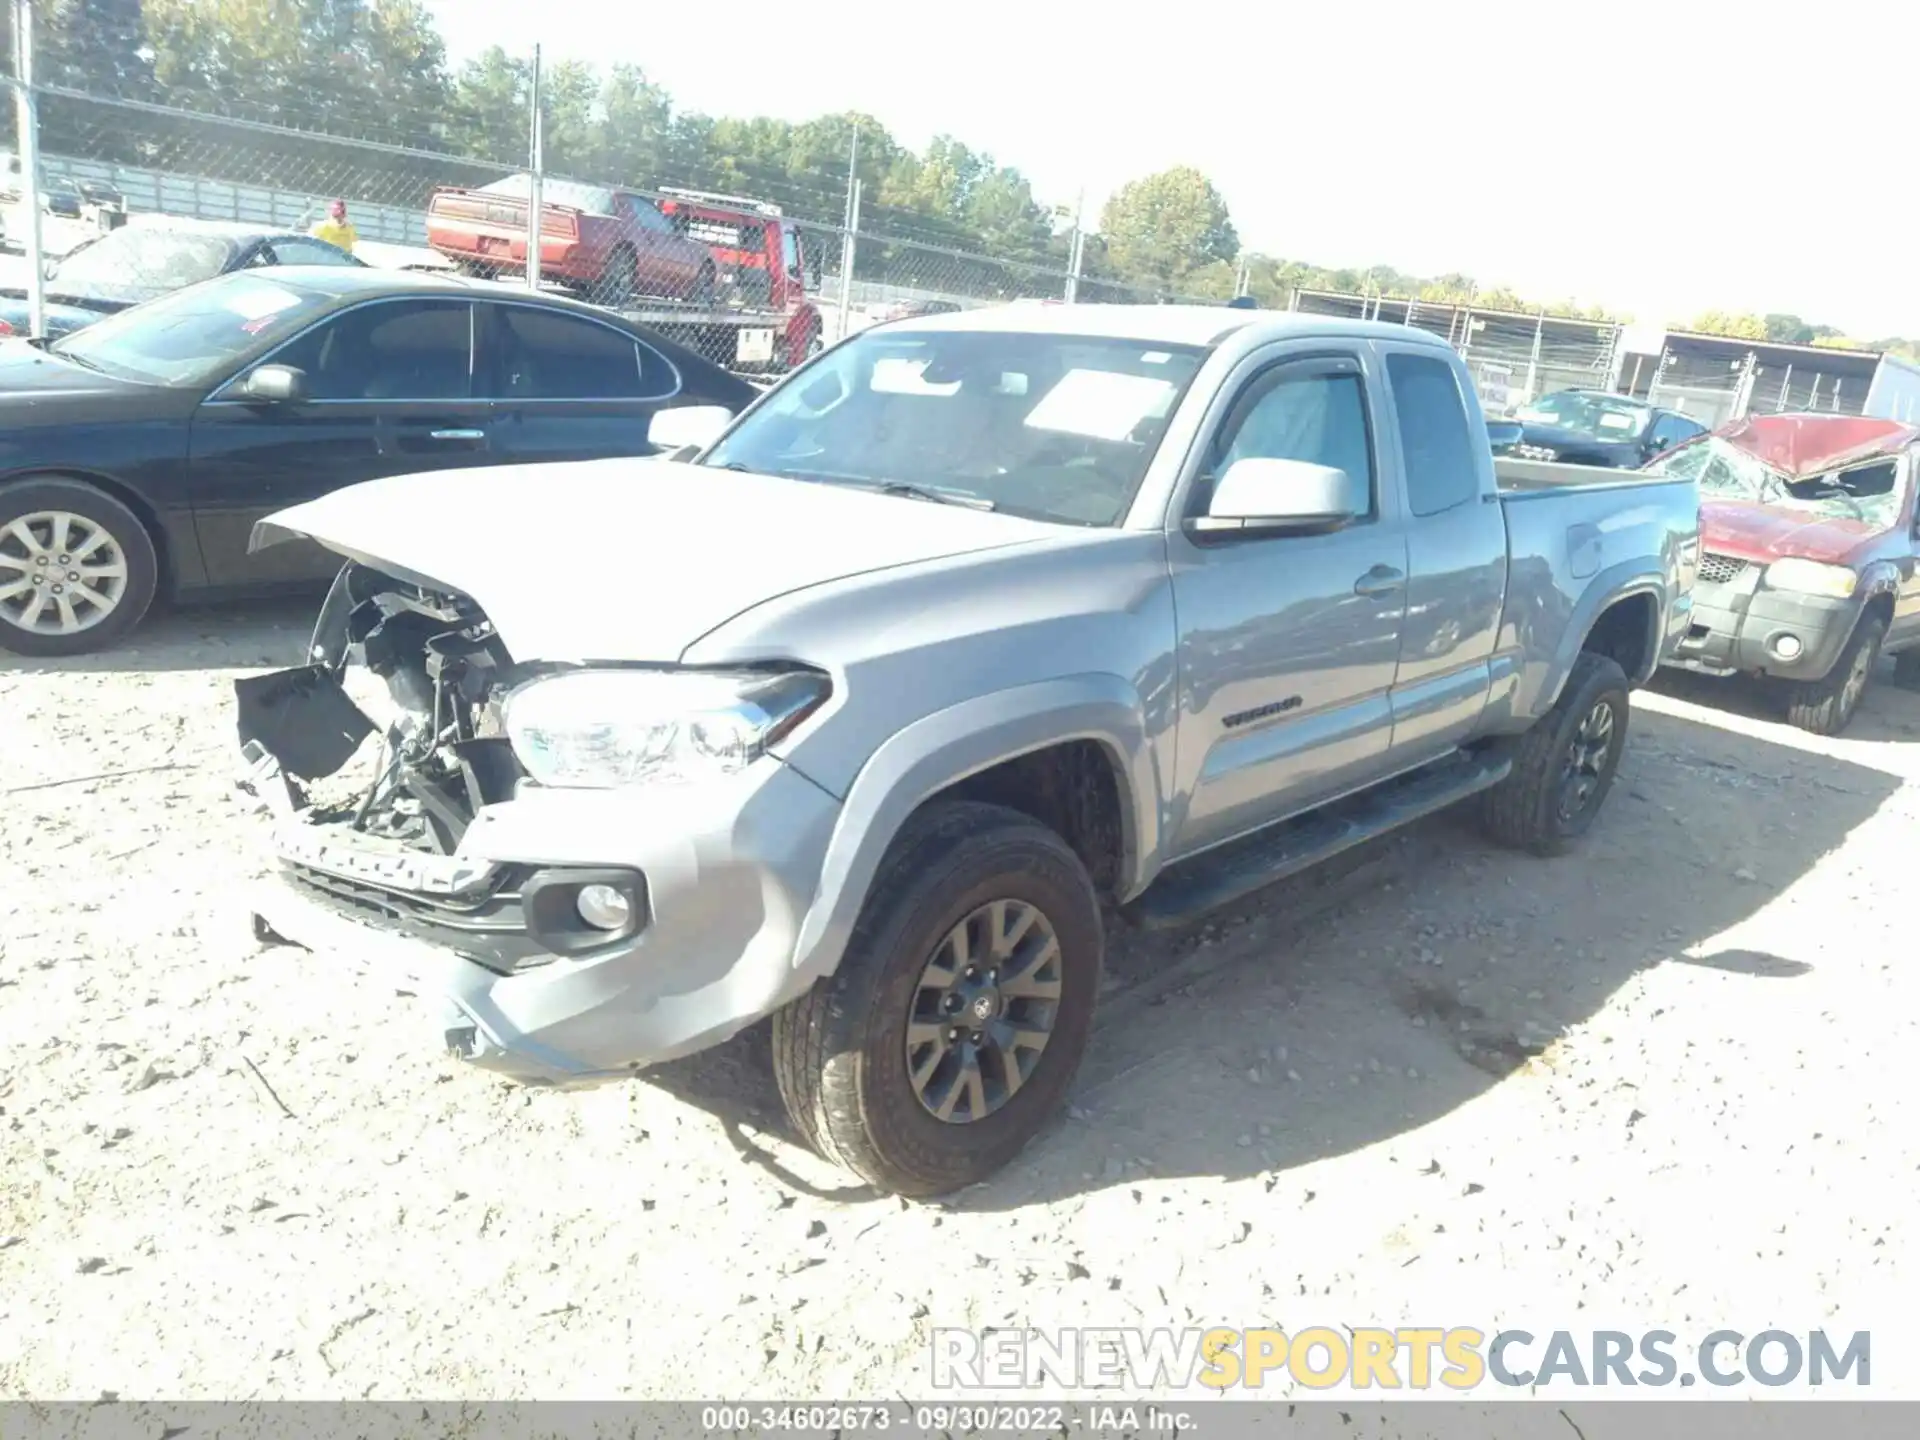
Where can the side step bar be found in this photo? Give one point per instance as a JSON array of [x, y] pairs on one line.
[[1193, 888]]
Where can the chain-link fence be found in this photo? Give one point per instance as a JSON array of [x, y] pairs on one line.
[[1514, 357], [756, 274]]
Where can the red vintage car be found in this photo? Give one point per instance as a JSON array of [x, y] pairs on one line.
[[608, 243], [1809, 569]]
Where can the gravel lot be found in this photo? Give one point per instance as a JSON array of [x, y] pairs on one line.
[[1670, 1082]]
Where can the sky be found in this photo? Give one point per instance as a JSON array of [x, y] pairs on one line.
[[1649, 157]]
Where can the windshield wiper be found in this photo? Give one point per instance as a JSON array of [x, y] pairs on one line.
[[938, 497]]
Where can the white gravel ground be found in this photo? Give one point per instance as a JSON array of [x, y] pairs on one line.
[[1667, 1083]]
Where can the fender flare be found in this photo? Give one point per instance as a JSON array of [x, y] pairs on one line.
[[947, 746], [1603, 592]]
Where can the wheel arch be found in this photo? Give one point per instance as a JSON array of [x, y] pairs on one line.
[[940, 754], [166, 562]]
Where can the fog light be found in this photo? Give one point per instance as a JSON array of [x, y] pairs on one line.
[[603, 907], [1787, 647]]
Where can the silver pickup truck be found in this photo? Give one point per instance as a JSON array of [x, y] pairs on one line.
[[871, 710]]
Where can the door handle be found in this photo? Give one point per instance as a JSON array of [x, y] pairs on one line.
[[459, 434], [1380, 580]]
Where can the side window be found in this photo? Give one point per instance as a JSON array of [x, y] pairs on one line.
[[648, 215], [1435, 440], [547, 355], [393, 350], [1669, 430], [295, 251], [1298, 413]]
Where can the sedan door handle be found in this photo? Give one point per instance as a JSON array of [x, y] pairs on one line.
[[1380, 580], [459, 434]]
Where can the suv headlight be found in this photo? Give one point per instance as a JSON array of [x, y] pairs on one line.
[[598, 729], [1534, 452], [1810, 577]]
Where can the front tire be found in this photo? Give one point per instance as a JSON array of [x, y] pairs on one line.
[[1827, 706], [957, 1018], [1564, 766], [78, 569]]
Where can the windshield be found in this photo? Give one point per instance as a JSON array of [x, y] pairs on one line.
[[1591, 415], [1053, 427], [134, 262], [1869, 493], [192, 336]]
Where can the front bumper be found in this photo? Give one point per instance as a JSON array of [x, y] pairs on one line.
[[1739, 626], [727, 872]]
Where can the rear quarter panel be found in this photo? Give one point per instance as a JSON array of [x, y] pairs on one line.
[[1574, 551]]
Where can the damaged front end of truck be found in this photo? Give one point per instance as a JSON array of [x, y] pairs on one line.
[[439, 751]]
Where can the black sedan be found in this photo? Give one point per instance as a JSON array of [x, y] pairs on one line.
[[137, 262], [136, 454]]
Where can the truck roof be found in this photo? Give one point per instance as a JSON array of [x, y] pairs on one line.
[[1163, 324]]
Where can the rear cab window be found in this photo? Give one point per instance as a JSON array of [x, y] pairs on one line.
[[1436, 442]]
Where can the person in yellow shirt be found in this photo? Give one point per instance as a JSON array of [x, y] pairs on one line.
[[336, 229]]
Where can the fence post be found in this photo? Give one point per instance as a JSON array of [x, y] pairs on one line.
[[849, 249], [536, 162], [28, 125], [1533, 356]]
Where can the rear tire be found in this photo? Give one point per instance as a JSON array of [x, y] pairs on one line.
[[1827, 706], [1564, 766], [845, 1056], [78, 569]]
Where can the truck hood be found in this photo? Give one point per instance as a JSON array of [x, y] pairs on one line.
[[629, 559], [1775, 532]]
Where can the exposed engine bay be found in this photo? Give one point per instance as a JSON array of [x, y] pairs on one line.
[[393, 729]]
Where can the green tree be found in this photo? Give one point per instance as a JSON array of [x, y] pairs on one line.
[[1162, 228], [1737, 327]]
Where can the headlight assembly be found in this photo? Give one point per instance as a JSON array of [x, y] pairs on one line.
[[1534, 452], [599, 729], [1810, 577]]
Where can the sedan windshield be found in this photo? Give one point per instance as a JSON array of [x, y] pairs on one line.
[[1870, 493], [1591, 415], [1053, 427], [136, 262], [192, 336]]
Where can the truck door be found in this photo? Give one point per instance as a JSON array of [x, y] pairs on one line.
[[1456, 555], [1287, 643]]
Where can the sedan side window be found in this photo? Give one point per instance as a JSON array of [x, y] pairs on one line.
[[549, 355], [394, 350], [1295, 414]]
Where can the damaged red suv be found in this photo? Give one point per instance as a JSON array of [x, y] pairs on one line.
[[1807, 566]]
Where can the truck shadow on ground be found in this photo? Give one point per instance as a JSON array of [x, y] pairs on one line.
[[1364, 1000], [1886, 711], [268, 634]]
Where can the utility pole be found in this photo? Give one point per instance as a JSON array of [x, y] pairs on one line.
[[850, 227], [28, 127], [536, 165]]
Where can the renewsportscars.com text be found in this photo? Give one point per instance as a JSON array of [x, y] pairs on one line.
[[1404, 1358]]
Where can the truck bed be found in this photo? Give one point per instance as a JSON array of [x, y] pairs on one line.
[[1520, 477]]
